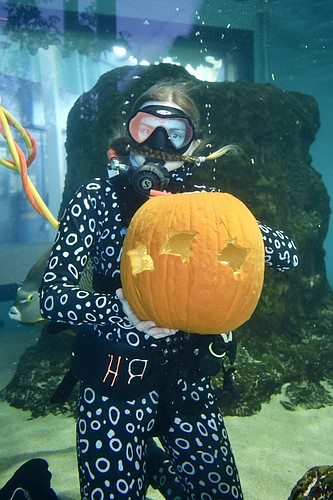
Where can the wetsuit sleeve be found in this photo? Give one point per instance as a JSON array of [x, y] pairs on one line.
[[280, 251], [61, 297]]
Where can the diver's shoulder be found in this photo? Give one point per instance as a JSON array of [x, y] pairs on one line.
[[96, 183], [100, 184], [97, 189]]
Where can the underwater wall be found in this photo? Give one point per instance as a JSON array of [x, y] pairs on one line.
[[288, 338]]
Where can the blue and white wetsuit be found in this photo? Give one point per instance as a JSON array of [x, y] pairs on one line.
[[113, 431]]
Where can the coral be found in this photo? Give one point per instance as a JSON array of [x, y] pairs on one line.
[[316, 484]]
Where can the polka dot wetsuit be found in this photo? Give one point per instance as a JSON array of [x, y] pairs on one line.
[[115, 427]]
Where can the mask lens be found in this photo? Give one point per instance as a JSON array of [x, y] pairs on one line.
[[143, 125]]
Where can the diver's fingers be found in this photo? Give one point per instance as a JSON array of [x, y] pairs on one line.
[[147, 327], [126, 307], [120, 294], [159, 333], [140, 325]]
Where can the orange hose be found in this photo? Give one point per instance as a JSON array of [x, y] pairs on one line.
[[25, 180], [21, 164]]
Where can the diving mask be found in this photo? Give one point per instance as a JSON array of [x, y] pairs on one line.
[[162, 127]]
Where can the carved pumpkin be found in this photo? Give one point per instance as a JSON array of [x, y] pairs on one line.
[[193, 261]]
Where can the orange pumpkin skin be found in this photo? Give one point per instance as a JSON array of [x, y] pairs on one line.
[[194, 262]]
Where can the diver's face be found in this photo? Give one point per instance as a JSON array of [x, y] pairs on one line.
[[175, 129], [159, 125]]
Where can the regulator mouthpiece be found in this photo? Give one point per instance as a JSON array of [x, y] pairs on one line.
[[151, 175]]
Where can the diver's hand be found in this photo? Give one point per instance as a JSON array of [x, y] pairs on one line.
[[147, 327]]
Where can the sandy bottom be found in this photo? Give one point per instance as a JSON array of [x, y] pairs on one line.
[[273, 449]]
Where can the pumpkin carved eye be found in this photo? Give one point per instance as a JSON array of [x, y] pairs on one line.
[[178, 243], [140, 259], [234, 256]]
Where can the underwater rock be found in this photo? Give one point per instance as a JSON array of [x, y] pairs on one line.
[[40, 370], [316, 484], [288, 338]]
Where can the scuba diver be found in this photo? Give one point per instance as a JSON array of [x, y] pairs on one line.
[[121, 407]]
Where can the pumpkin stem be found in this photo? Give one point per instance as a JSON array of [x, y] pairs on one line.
[[155, 192]]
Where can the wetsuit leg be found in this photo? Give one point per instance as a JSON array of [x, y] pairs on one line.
[[198, 446], [112, 449], [161, 475], [112, 438]]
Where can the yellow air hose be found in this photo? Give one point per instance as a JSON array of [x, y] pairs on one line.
[[20, 163]]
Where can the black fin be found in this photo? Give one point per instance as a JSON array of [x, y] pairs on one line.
[[32, 480]]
